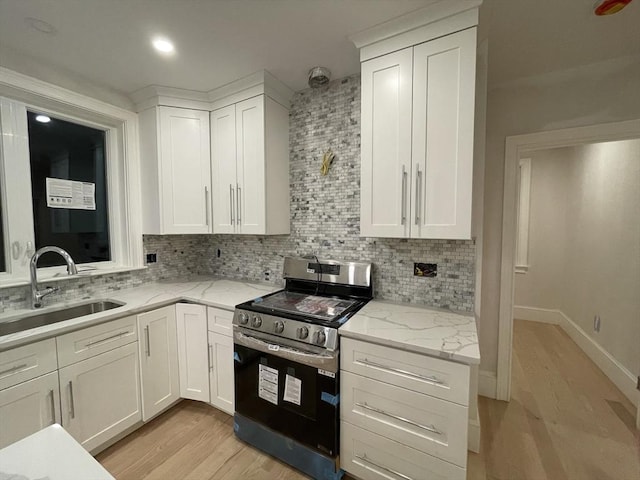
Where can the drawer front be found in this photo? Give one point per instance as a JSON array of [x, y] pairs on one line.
[[420, 373], [89, 342], [369, 456], [219, 321], [428, 424], [29, 361]]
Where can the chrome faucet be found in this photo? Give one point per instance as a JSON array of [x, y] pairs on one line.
[[38, 295]]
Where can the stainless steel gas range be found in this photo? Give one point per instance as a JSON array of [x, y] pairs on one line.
[[286, 350]]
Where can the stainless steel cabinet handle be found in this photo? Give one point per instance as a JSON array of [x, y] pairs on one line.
[[53, 406], [239, 206], [231, 204], [404, 195], [102, 340], [386, 469], [429, 428], [146, 335], [72, 407], [418, 194], [14, 369], [210, 356], [206, 205], [429, 378]]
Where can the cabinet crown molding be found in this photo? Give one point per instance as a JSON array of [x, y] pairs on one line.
[[433, 21], [259, 83]]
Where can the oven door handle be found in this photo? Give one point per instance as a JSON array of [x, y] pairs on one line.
[[327, 362]]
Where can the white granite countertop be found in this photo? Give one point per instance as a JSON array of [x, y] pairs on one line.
[[433, 332], [215, 292], [50, 454]]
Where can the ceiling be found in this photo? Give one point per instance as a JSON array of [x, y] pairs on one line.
[[107, 43]]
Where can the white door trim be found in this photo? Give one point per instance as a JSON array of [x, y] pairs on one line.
[[517, 146]]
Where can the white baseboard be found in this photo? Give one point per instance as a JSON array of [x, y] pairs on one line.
[[487, 382], [614, 370], [473, 439], [533, 314]]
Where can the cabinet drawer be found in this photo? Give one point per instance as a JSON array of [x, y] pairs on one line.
[[420, 373], [92, 341], [29, 361], [370, 457], [428, 424], [219, 321]]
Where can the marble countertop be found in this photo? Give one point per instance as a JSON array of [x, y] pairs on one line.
[[439, 333], [215, 292], [50, 454]]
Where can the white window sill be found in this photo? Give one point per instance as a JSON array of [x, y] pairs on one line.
[[522, 268], [53, 276]]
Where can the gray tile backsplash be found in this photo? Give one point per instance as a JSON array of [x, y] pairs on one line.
[[325, 219]]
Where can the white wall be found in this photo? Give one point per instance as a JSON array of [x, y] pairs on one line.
[[599, 93], [585, 242]]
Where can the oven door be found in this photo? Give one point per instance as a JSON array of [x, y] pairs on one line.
[[288, 387]]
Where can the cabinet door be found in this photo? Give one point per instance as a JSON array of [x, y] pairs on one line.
[[28, 407], [221, 367], [193, 353], [223, 162], [220, 321], [158, 360], [442, 146], [100, 396], [185, 170], [386, 145], [250, 206]]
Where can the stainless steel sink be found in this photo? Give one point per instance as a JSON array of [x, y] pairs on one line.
[[22, 323]]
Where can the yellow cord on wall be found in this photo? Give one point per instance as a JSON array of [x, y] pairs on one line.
[[327, 160]]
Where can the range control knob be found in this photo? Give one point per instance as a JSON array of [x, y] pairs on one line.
[[256, 321], [243, 318], [303, 332], [278, 326], [319, 337]]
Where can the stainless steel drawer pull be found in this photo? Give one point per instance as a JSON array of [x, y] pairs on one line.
[[53, 406], [206, 205], [429, 378], [404, 195], [231, 204], [239, 206], [102, 340], [386, 469], [72, 407], [146, 334], [418, 194], [429, 428], [210, 356], [14, 369]]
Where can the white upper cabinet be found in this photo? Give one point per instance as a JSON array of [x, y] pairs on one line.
[[176, 171], [417, 140], [250, 162]]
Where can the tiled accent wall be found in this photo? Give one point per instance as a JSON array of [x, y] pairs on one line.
[[178, 256], [325, 214]]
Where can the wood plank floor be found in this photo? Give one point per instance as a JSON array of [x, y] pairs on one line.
[[566, 420]]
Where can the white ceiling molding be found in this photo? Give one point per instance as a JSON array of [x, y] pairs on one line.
[[430, 22]]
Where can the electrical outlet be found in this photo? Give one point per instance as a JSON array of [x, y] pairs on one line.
[[596, 323], [266, 275], [152, 257], [425, 269]]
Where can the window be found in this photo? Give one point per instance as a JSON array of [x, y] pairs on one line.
[[69, 190], [69, 182]]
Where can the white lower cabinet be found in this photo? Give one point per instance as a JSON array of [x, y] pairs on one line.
[[221, 372], [193, 351], [100, 396], [158, 360], [28, 407], [402, 414]]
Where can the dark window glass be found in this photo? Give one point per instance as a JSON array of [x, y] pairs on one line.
[[61, 150]]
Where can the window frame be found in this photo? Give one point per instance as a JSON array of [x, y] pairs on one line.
[[20, 93]]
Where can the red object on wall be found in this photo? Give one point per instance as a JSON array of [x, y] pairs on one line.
[[609, 7]]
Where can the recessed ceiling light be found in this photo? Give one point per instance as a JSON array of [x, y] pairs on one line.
[[41, 25], [163, 45], [42, 119]]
